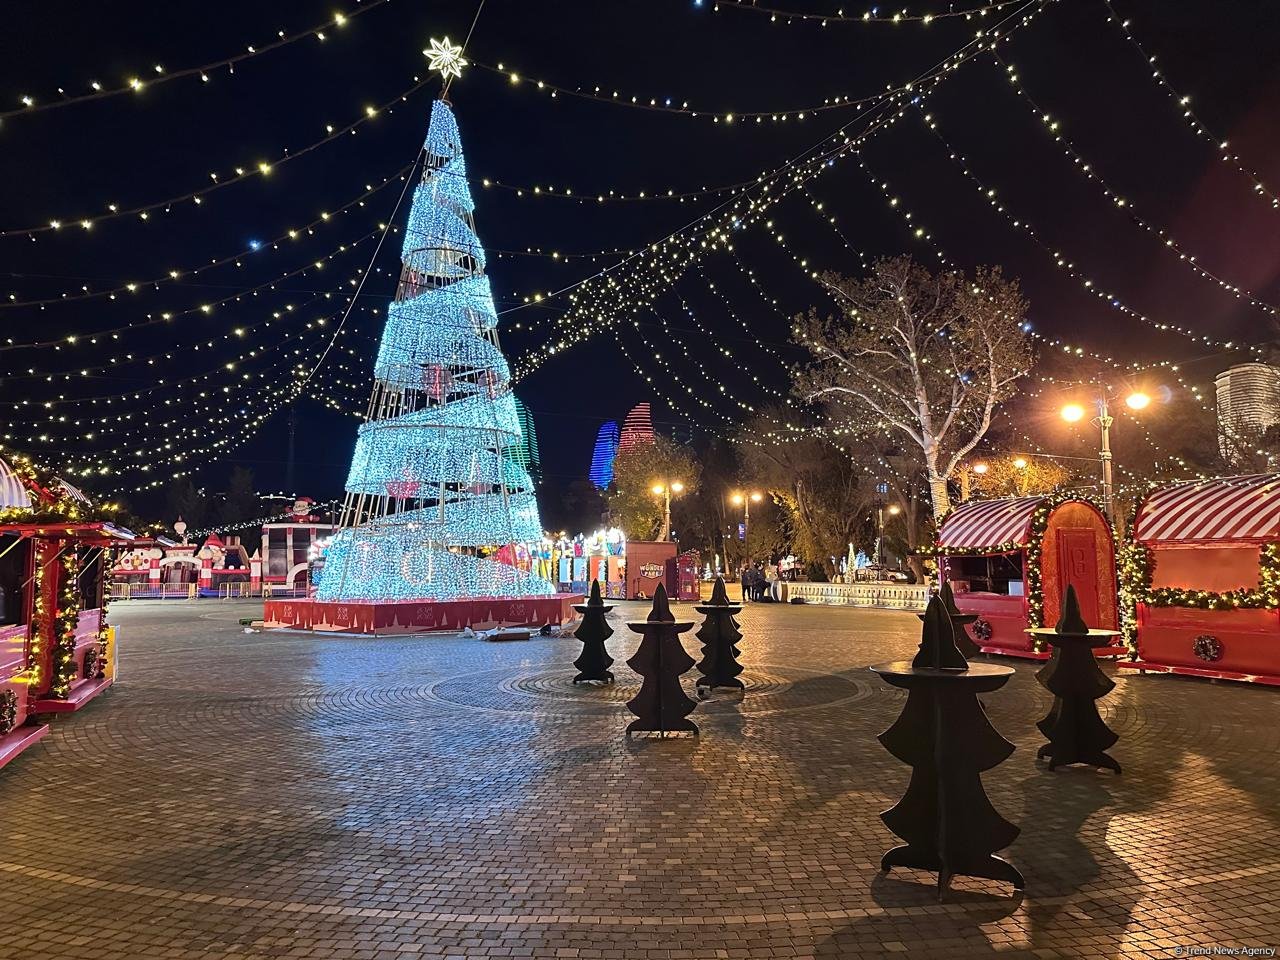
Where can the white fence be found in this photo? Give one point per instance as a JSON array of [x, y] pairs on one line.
[[888, 596]]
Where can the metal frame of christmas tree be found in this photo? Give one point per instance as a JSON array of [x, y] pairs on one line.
[[439, 469]]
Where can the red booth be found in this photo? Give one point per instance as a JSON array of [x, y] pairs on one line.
[[646, 567], [1010, 560], [1203, 575], [56, 650], [682, 577]]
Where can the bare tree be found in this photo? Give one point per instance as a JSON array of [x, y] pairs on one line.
[[928, 356]]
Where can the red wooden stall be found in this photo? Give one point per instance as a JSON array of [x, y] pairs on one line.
[[647, 567], [1010, 560], [56, 650], [1203, 572]]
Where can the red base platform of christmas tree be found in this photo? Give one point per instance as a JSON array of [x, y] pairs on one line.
[[385, 617]]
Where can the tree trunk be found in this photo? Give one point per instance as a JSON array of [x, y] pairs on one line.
[[939, 495]]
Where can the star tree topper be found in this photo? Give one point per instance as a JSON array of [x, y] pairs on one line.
[[445, 57]]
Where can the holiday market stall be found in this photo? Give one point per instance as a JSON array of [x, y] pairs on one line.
[[1203, 577], [57, 558], [1010, 560]]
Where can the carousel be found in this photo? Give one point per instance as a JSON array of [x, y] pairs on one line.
[[1009, 562]]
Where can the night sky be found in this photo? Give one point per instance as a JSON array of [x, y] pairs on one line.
[[165, 141]]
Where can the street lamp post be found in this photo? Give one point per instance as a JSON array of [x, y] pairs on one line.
[[745, 499], [665, 490], [1073, 413], [894, 510]]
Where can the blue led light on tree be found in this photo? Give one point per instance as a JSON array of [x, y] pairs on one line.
[[441, 470]]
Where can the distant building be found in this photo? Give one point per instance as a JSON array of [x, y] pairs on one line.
[[602, 456], [1248, 396], [526, 451], [637, 428]]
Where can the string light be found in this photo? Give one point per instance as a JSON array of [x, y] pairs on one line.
[[1087, 283], [174, 276], [870, 15], [1087, 170], [161, 75], [668, 105], [1182, 102], [144, 211], [169, 316]]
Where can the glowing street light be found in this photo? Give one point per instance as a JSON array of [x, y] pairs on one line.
[[979, 468], [1074, 412], [665, 490], [1020, 463], [745, 500]]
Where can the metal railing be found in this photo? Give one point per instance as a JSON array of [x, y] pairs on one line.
[[125, 590], [891, 596]]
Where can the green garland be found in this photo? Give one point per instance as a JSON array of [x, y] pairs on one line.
[[1135, 581], [8, 711], [104, 634], [66, 620]]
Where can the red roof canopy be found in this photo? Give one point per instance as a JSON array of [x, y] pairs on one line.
[[989, 523], [1224, 509]]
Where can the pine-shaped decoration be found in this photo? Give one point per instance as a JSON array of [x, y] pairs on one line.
[[661, 706], [943, 734], [1073, 726], [440, 469], [719, 635], [594, 663], [959, 620]]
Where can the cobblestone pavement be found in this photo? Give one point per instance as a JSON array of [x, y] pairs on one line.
[[281, 795]]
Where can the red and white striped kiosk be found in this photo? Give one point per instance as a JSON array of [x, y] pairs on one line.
[[1203, 572], [1009, 562]]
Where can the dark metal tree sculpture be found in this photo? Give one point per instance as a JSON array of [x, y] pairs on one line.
[[964, 643], [661, 706], [594, 662], [944, 735], [719, 634], [1076, 732]]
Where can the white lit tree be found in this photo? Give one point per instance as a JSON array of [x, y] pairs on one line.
[[927, 356]]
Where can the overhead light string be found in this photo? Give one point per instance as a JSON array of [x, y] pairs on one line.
[[160, 75], [262, 169]]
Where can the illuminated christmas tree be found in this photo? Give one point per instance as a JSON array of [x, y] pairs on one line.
[[440, 470]]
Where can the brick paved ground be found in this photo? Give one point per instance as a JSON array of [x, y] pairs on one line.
[[280, 795]]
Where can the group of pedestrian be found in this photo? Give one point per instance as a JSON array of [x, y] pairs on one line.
[[755, 583]]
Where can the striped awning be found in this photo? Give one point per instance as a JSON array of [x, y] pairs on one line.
[[75, 493], [12, 492], [1230, 508], [989, 523]]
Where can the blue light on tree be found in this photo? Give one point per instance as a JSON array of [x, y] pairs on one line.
[[441, 470]]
